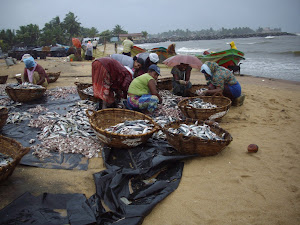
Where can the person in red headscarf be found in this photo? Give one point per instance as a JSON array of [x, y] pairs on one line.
[[110, 80]]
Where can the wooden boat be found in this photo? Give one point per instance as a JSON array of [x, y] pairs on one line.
[[164, 53], [136, 50], [230, 57]]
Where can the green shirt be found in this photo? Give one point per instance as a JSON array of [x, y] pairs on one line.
[[139, 85], [127, 46]]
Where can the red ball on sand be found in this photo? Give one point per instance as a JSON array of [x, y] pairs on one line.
[[252, 148]]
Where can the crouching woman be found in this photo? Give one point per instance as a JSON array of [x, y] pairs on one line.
[[220, 80], [142, 93], [34, 73]]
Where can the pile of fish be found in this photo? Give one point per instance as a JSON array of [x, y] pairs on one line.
[[131, 127], [200, 91], [89, 147], [89, 90], [25, 85], [169, 105], [5, 159], [66, 133], [74, 123], [195, 130], [2, 89], [61, 92], [162, 121], [17, 117], [200, 104], [38, 109]]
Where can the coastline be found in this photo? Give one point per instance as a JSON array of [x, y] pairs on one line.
[[233, 187], [212, 37]]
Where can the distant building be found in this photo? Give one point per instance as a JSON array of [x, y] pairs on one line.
[[135, 36], [269, 30]]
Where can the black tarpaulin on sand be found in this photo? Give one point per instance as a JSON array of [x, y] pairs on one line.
[[134, 182], [22, 133]]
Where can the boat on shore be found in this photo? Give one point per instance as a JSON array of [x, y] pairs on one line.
[[230, 57]]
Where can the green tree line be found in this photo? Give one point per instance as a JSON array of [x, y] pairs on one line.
[[55, 31]]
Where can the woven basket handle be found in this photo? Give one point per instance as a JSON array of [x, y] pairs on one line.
[[88, 112]]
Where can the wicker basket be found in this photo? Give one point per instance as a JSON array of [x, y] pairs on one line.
[[194, 88], [3, 116], [24, 94], [53, 77], [3, 79], [223, 104], [164, 83], [84, 96], [102, 119], [196, 145], [14, 149], [19, 79]]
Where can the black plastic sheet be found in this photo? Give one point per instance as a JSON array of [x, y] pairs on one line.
[[22, 133], [50, 209], [136, 180]]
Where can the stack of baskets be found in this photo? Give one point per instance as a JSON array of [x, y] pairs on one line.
[[164, 83], [3, 79], [84, 96], [100, 120], [3, 116], [194, 88], [196, 145], [53, 77], [223, 104], [13, 149], [25, 94]]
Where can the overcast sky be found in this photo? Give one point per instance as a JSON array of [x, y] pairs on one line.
[[155, 16]]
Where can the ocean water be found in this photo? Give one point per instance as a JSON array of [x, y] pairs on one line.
[[272, 57]]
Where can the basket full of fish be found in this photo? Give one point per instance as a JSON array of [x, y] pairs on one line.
[[25, 92], [53, 76], [11, 152], [164, 83], [205, 107], [196, 137], [122, 128], [86, 92], [197, 89]]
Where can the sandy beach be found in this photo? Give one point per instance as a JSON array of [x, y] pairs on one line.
[[233, 187]]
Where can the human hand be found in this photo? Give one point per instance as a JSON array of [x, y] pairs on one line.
[[182, 82]]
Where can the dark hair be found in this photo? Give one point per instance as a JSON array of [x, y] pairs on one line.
[[130, 38], [141, 61]]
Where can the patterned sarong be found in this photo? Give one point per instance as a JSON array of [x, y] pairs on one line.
[[148, 102]]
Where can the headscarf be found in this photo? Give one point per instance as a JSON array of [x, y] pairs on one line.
[[153, 57], [29, 63], [206, 69]]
